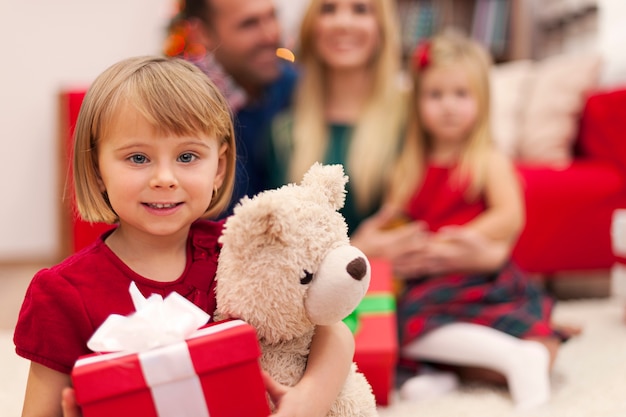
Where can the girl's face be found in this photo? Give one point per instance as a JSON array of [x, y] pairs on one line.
[[158, 184], [346, 33], [447, 104]]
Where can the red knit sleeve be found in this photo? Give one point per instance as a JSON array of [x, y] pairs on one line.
[[53, 326]]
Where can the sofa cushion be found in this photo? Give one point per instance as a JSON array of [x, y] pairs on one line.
[[556, 96], [509, 87], [603, 127]]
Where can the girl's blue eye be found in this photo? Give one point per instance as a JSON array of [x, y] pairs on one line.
[[138, 159], [186, 157]]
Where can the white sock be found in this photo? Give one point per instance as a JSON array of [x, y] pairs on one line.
[[427, 386], [524, 363]]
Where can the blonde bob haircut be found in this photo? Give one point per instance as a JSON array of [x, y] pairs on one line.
[[174, 96], [377, 132], [449, 49]]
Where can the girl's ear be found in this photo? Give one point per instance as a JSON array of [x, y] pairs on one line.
[[101, 185], [222, 164]]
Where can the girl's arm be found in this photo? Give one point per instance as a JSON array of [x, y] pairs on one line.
[[503, 219], [43, 392], [482, 244], [328, 366]]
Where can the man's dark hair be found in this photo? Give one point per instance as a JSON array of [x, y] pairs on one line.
[[199, 9]]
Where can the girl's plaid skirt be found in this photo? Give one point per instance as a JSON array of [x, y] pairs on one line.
[[506, 300]]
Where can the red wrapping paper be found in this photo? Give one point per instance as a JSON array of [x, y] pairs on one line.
[[225, 362]]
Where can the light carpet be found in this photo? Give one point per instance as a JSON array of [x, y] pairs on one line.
[[589, 378]]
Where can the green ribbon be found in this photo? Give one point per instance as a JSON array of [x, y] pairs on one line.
[[371, 304]]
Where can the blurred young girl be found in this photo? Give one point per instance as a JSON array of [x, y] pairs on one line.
[[464, 303], [349, 109], [155, 154]]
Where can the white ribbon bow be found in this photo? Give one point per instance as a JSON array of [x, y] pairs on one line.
[[156, 322]]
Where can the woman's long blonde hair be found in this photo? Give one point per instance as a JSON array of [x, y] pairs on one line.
[[448, 49], [377, 133]]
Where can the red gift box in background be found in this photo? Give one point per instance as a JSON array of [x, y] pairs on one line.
[[376, 337], [214, 372]]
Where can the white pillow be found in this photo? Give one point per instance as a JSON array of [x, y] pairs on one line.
[[556, 96], [509, 89]]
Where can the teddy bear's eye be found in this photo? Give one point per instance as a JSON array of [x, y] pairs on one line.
[[308, 277]]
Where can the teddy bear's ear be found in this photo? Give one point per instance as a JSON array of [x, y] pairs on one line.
[[328, 181], [260, 217]]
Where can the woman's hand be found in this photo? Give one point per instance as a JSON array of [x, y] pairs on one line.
[[388, 235]]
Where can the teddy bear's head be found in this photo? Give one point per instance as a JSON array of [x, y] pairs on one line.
[[286, 263]]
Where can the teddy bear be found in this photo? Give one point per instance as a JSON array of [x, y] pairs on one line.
[[286, 265]]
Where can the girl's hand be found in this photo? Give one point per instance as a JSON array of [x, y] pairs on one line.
[[286, 399], [465, 249], [453, 249], [68, 403]]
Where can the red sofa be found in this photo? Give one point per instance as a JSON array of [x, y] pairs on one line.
[[568, 211]]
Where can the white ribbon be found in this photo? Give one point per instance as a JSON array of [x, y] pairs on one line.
[[156, 322], [176, 389], [168, 370]]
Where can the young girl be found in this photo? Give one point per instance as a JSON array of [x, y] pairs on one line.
[[155, 154], [464, 304]]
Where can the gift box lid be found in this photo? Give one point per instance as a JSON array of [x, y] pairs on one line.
[[213, 347]]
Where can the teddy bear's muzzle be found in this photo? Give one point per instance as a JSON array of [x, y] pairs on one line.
[[338, 285]]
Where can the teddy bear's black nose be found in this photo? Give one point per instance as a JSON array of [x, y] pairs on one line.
[[357, 268]]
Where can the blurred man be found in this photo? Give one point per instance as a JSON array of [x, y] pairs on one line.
[[241, 38]]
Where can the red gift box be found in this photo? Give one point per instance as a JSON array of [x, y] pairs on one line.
[[214, 372], [376, 339]]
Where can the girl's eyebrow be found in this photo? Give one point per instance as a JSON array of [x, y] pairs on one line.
[[140, 144], [196, 143]]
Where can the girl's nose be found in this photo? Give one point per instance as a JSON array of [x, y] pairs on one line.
[[164, 177]]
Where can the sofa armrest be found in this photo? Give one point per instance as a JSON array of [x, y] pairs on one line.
[[603, 127]]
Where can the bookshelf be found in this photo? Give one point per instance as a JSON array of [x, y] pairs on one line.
[[564, 26], [509, 29]]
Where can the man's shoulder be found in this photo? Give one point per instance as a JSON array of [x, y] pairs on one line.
[[288, 72], [286, 81]]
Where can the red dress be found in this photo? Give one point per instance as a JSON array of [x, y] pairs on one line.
[[505, 300], [66, 303]]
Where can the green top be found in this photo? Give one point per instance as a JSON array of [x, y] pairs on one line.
[[340, 135]]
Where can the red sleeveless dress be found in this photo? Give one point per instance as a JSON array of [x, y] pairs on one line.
[[505, 300]]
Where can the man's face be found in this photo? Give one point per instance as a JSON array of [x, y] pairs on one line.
[[243, 36]]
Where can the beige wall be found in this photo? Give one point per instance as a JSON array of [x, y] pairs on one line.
[[47, 45]]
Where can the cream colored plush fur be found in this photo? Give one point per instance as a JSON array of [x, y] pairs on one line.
[[286, 265]]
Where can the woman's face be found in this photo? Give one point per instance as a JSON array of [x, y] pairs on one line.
[[346, 33]]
